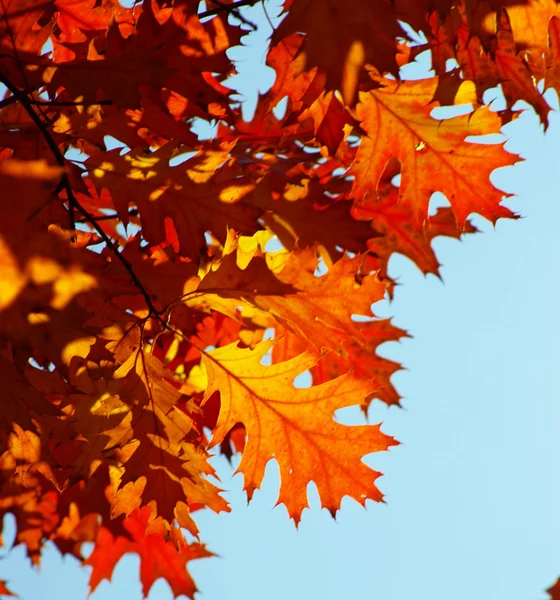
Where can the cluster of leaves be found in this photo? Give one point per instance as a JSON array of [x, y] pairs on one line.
[[139, 285]]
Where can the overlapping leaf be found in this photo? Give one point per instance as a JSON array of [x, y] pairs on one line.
[[342, 41], [392, 220], [176, 193]]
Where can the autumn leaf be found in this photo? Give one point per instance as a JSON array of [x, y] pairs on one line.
[[129, 67], [302, 87], [281, 420], [304, 215], [393, 223], [435, 155], [4, 591], [27, 404], [329, 121], [315, 310], [159, 557], [507, 43], [529, 23], [162, 453], [292, 294], [40, 276], [20, 34], [342, 41], [554, 591], [506, 65], [26, 493]]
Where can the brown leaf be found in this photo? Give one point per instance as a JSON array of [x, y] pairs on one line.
[[342, 41]]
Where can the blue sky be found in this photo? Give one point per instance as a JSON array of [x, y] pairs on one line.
[[473, 491]]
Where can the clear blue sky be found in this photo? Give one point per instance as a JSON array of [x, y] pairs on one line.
[[473, 492]]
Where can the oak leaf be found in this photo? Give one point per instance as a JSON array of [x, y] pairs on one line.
[[303, 216], [435, 155], [162, 554], [162, 448], [529, 23], [342, 41], [282, 421], [504, 65], [315, 310], [393, 223], [166, 50]]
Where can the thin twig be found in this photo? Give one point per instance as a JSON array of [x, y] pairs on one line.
[[73, 202], [228, 8], [268, 18], [13, 99], [133, 212], [68, 103]]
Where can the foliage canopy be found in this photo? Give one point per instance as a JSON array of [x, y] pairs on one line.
[[138, 284]]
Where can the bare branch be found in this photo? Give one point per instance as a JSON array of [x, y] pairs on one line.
[[226, 8], [13, 99], [133, 212], [230, 8]]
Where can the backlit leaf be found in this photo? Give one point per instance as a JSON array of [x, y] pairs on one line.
[[282, 421]]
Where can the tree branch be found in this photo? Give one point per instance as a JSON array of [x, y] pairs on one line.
[[73, 203], [133, 212], [13, 99], [232, 10], [226, 8]]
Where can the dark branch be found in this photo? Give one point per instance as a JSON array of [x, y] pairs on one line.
[[64, 103], [13, 99], [73, 203], [229, 8], [133, 212], [8, 101], [226, 8]]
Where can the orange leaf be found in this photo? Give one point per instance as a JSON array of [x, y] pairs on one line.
[[159, 556], [296, 427], [4, 591], [163, 452], [435, 155], [393, 222]]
